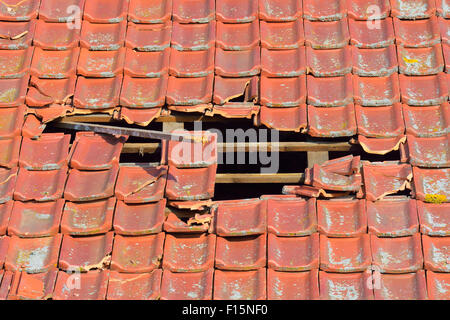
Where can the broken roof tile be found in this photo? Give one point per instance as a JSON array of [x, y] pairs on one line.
[[283, 92], [129, 286], [342, 218], [148, 37], [55, 36], [241, 253], [143, 92], [382, 179], [141, 184], [198, 63], [101, 64], [393, 217], [103, 36], [329, 63], [86, 253], [238, 36], [17, 35], [28, 286], [409, 286], [364, 35], [368, 9], [238, 285], [187, 286], [95, 151], [243, 63], [380, 146], [33, 255], [149, 11], [141, 117], [40, 186], [293, 253], [345, 254], [105, 11], [237, 110], [320, 95], [193, 11], [327, 35], [345, 286], [417, 33], [380, 122], [4, 246], [90, 185], [427, 121], [431, 185], [56, 10], [147, 64], [11, 121], [5, 213], [15, 63], [397, 255], [184, 221], [13, 91], [427, 152], [240, 217], [436, 251], [376, 91], [323, 11], [283, 63], [8, 182], [139, 219], [9, 154], [331, 122], [226, 89], [291, 216], [137, 254], [424, 90], [88, 218], [326, 179], [189, 91], [282, 35], [97, 93], [189, 252], [280, 10], [438, 285], [284, 119], [433, 217], [379, 62], [292, 285], [35, 220], [17, 10], [416, 9], [420, 61], [236, 11], [45, 92], [54, 64], [94, 286], [49, 152], [192, 37]]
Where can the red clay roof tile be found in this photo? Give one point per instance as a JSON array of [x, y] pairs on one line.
[[17, 35], [416, 9], [280, 10], [142, 117], [320, 95], [15, 63], [90, 185], [376, 91], [35, 220], [57, 10], [364, 35], [393, 217], [6, 278], [11, 121], [97, 93], [341, 286], [201, 152], [239, 36], [17, 10], [331, 122], [238, 285], [442, 8], [103, 36], [191, 63], [409, 286], [33, 255], [195, 36], [380, 122], [433, 217], [328, 180], [32, 127], [436, 252], [45, 92], [438, 285], [368, 9], [432, 152], [236, 11], [324, 10], [85, 253], [189, 91], [147, 64], [292, 285], [148, 37], [5, 213], [105, 11], [8, 182], [9, 154], [88, 218], [27, 286], [139, 219], [13, 91], [283, 63], [345, 254], [424, 90], [54, 64], [193, 11], [380, 146], [4, 246], [143, 92], [229, 63], [137, 254], [187, 286], [420, 61], [149, 11], [329, 63], [431, 185], [189, 253], [241, 253], [379, 62], [184, 221], [101, 64], [283, 92], [40, 186], [417, 33], [282, 35], [93, 286], [444, 25], [326, 35], [237, 110], [293, 253], [128, 286], [446, 52], [55, 36], [226, 89], [284, 119]]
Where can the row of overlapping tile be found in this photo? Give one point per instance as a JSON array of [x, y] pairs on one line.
[[178, 54]]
